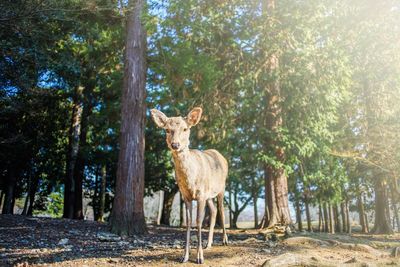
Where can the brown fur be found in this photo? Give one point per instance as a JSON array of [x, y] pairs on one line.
[[200, 175]]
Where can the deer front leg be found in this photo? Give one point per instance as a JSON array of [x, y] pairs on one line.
[[200, 216], [188, 205], [213, 211]]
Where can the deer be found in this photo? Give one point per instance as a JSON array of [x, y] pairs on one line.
[[200, 175]]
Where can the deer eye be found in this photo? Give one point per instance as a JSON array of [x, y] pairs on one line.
[[185, 129]]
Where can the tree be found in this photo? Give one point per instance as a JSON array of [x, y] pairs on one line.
[[127, 215]]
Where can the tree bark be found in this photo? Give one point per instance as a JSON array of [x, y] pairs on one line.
[[8, 206], [276, 186], [361, 213], [102, 193], [298, 214], [343, 214], [320, 218], [127, 215], [72, 154], [331, 219], [308, 215], [326, 218], [338, 226], [255, 197], [1, 198], [348, 218], [167, 205], [382, 222]]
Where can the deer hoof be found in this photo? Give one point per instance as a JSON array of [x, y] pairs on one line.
[[200, 261]]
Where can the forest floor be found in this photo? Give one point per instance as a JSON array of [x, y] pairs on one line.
[[34, 241]]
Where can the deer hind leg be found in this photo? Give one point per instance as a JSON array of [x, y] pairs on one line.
[[213, 211], [220, 200], [200, 216], [188, 205]]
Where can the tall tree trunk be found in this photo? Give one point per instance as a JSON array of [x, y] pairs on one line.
[[127, 214], [338, 226], [32, 193], [343, 214], [255, 198], [167, 206], [331, 219], [276, 186], [298, 214], [26, 202], [395, 208], [320, 218], [72, 154], [326, 218], [348, 217], [11, 180], [382, 222], [230, 205], [308, 215], [361, 213], [96, 195], [234, 220], [102, 193]]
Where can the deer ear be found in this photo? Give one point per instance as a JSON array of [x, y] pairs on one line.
[[194, 116], [159, 118]]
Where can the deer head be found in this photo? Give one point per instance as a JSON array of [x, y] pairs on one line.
[[177, 128]]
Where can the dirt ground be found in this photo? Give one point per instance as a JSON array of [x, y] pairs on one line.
[[32, 241]]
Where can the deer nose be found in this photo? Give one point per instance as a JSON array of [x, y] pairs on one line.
[[175, 146]]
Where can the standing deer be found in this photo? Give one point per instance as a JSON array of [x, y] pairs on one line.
[[200, 175]]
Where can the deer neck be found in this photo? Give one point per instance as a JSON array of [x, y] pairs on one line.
[[184, 173]]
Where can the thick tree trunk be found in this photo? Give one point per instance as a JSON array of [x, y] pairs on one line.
[[361, 213], [308, 215], [382, 222], [11, 180], [167, 205], [32, 193], [343, 214], [72, 154], [234, 220], [127, 215], [326, 218], [276, 187]]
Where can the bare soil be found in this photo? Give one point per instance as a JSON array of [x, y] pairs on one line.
[[33, 241]]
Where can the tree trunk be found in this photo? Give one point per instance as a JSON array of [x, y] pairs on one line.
[[343, 214], [298, 214], [8, 206], [308, 215], [366, 222], [96, 195], [320, 218], [326, 218], [32, 193], [160, 207], [25, 209], [230, 205], [395, 209], [167, 205], [361, 213], [102, 193], [234, 220], [331, 219], [72, 154], [338, 226], [127, 215], [255, 197], [382, 222], [348, 218], [276, 187], [1, 198]]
